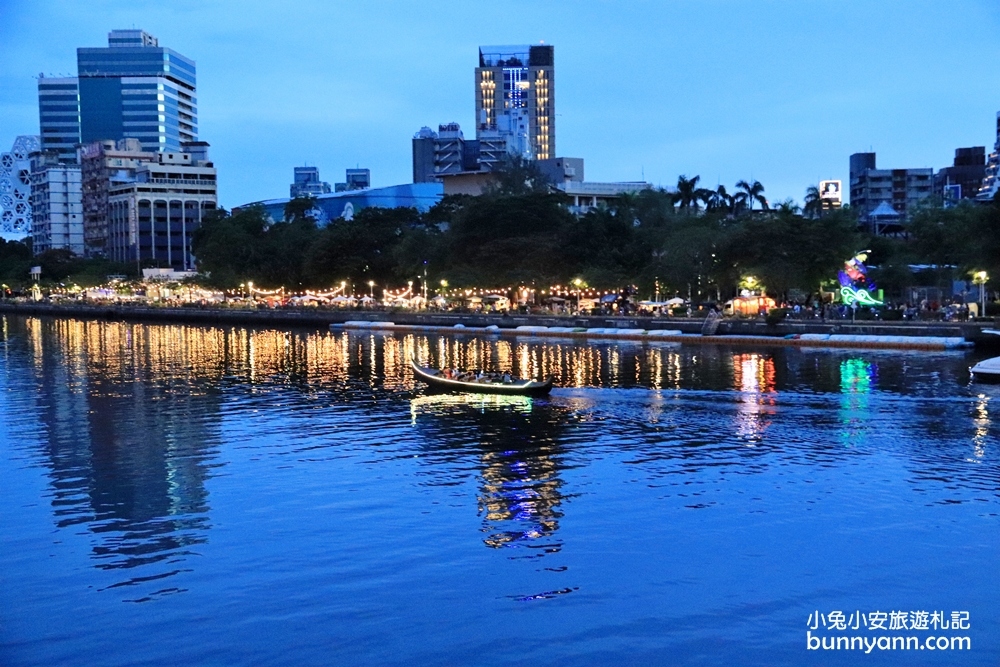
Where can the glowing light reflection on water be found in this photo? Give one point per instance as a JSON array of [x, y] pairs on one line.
[[665, 504]]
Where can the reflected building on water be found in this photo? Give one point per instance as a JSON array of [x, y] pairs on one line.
[[129, 436]]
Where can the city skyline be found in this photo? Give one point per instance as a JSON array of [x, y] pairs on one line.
[[783, 96]]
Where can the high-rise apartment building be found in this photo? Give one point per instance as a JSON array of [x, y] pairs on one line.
[[898, 189], [59, 116], [515, 98], [133, 88], [56, 204]]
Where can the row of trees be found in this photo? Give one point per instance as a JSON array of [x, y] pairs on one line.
[[520, 232], [59, 265], [689, 241], [689, 195]]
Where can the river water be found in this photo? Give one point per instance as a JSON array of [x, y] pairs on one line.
[[220, 496]]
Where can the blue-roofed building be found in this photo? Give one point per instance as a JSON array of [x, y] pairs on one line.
[[343, 205]]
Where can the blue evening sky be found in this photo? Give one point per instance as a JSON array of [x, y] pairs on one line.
[[782, 91]]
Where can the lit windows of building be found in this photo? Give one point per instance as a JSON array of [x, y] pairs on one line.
[[523, 78]]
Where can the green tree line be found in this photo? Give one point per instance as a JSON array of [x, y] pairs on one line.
[[691, 240]]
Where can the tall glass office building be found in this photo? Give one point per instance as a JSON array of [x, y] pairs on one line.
[[137, 89], [133, 88], [59, 116]]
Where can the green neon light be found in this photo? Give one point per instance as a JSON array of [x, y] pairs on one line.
[[859, 296]]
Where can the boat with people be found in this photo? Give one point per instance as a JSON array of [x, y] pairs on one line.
[[480, 383]]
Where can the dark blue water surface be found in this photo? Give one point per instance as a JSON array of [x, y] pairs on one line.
[[180, 495]]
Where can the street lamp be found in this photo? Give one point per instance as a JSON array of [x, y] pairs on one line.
[[578, 283], [371, 288], [981, 277]]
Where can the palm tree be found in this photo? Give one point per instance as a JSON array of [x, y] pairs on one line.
[[720, 199], [788, 206], [813, 203], [751, 192], [688, 193]]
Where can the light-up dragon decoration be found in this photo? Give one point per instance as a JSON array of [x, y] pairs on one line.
[[855, 288]]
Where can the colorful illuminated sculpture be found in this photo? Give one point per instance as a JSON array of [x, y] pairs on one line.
[[855, 288]]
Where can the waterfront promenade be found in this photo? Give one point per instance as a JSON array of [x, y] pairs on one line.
[[756, 331]]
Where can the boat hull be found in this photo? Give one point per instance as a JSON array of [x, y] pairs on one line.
[[431, 378], [987, 370]]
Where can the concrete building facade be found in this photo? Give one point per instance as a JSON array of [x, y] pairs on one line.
[[307, 183], [901, 189], [103, 165], [562, 169], [963, 179], [56, 203], [446, 151], [152, 218], [355, 179]]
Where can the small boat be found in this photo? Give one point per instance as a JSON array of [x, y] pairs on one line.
[[987, 370], [435, 380]]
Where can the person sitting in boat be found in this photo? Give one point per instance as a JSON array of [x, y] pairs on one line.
[[505, 378]]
